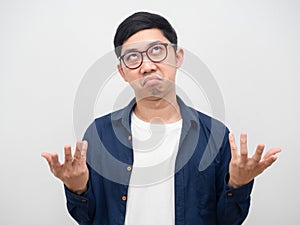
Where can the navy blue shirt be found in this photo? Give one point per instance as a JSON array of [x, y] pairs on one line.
[[202, 196]]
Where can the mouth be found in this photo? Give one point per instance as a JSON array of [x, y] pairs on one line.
[[151, 79]]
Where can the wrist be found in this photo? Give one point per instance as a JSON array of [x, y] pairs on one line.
[[78, 191], [232, 184]]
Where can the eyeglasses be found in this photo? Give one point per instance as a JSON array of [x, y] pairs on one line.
[[156, 53]]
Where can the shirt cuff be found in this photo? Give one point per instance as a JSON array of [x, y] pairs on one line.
[[76, 199], [239, 194]]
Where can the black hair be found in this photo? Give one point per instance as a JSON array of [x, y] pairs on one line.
[[141, 21]]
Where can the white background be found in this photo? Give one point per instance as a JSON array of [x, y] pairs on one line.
[[251, 47]]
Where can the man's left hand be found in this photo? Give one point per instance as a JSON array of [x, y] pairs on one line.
[[243, 169]]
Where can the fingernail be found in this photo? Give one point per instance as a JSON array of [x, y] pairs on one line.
[[84, 144]]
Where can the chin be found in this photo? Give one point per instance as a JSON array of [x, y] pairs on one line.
[[151, 94]]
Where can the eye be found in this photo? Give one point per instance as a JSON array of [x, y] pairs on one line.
[[131, 56], [156, 49]]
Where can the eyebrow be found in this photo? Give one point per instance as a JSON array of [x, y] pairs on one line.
[[135, 49]]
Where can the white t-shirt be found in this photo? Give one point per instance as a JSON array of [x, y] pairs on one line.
[[151, 190]]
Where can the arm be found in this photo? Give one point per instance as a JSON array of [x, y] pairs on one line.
[[74, 174], [234, 202], [81, 207]]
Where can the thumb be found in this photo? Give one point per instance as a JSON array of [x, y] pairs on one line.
[[46, 156]]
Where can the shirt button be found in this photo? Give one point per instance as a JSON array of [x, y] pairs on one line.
[[124, 198], [129, 168], [229, 194], [129, 137]]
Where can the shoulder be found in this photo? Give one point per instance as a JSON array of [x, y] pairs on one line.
[[206, 122], [106, 122], [212, 126], [103, 120], [97, 125]]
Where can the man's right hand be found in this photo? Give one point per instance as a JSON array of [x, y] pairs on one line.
[[73, 172]]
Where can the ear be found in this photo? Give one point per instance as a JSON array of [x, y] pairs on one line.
[[121, 71], [179, 57]]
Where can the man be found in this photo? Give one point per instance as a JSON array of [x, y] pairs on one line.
[[143, 164]]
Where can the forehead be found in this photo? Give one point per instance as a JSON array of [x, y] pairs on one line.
[[143, 38]]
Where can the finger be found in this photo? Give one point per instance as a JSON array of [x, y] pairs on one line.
[[271, 152], [258, 153], [234, 151], [55, 162], [84, 149], [48, 157], [269, 161], [77, 154], [80, 152], [68, 154], [244, 147]]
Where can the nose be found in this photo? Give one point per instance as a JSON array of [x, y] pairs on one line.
[[147, 65]]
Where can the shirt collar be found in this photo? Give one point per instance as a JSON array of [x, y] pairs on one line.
[[188, 114]]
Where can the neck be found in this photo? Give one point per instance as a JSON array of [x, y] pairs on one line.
[[158, 110]]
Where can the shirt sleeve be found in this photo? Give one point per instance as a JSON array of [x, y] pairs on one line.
[[233, 203], [81, 207]]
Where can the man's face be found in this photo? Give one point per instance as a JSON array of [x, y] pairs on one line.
[[153, 78]]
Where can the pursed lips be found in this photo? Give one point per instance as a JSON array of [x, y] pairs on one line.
[[151, 77]]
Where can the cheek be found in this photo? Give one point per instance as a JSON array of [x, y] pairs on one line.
[[169, 73], [170, 61], [132, 77]]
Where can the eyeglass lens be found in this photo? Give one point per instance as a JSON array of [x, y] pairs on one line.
[[155, 53]]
